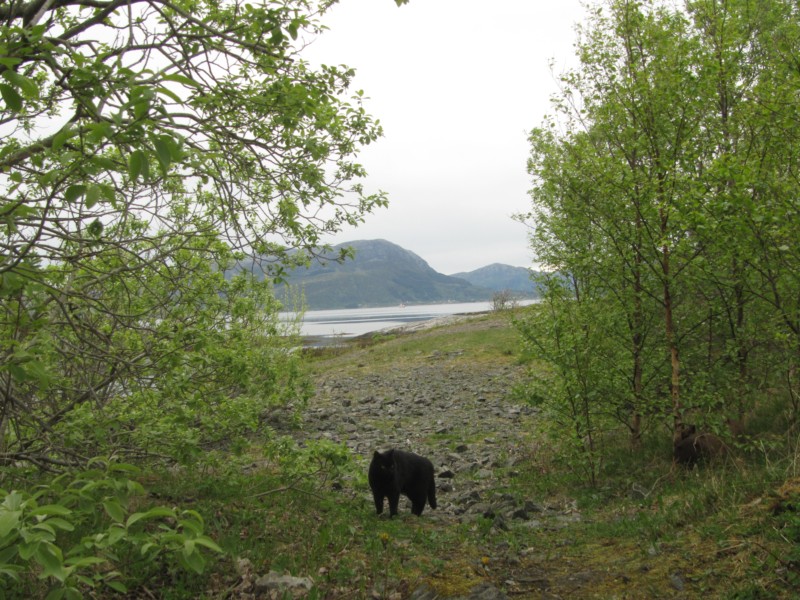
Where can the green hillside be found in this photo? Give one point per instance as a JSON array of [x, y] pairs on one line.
[[500, 277], [381, 274]]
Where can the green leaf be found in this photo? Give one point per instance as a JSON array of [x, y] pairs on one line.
[[84, 561], [117, 586], [9, 61], [98, 131], [51, 509], [55, 594], [192, 525], [172, 95], [50, 558], [120, 467], [14, 500], [61, 524], [114, 510], [92, 196], [137, 165], [293, 28], [32, 371], [74, 192], [147, 547], [6, 554], [105, 163], [115, 534], [208, 543], [141, 108], [108, 191], [188, 547], [50, 532], [11, 97], [26, 551], [25, 85], [10, 283], [9, 520], [193, 560], [163, 153], [154, 513], [177, 78]]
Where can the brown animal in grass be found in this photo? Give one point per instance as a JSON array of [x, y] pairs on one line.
[[694, 447]]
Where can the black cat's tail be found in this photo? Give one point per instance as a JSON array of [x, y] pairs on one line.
[[432, 492]]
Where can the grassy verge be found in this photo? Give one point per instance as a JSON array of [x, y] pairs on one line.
[[480, 340], [313, 527]]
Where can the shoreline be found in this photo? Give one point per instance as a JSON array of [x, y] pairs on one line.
[[328, 341]]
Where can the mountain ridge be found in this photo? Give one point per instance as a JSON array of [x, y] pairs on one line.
[[500, 277], [382, 273]]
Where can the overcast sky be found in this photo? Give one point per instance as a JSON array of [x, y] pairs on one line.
[[456, 84]]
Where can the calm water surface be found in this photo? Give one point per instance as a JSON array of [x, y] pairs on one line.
[[346, 323]]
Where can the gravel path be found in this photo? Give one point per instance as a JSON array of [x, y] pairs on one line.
[[459, 413]]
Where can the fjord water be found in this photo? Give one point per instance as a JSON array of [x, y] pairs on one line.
[[352, 322]]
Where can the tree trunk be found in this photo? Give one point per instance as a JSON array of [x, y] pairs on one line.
[[669, 325], [637, 325]]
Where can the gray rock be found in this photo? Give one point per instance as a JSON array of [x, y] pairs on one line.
[[520, 514], [484, 591], [424, 592], [533, 507], [676, 581], [278, 586]]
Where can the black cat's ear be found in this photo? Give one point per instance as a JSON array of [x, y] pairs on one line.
[[376, 455]]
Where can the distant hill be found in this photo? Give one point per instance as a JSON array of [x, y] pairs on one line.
[[499, 278], [381, 274]]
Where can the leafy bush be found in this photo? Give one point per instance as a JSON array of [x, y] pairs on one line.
[[504, 300], [80, 532], [576, 380], [196, 362]]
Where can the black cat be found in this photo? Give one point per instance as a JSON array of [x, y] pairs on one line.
[[396, 472]]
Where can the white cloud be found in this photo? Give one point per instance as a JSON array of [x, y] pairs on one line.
[[457, 84]]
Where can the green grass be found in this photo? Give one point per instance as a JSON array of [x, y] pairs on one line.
[[308, 528], [486, 339]]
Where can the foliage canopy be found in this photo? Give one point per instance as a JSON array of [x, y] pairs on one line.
[[665, 201], [146, 146]]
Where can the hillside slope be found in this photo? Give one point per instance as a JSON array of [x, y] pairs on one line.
[[381, 274], [499, 278]]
